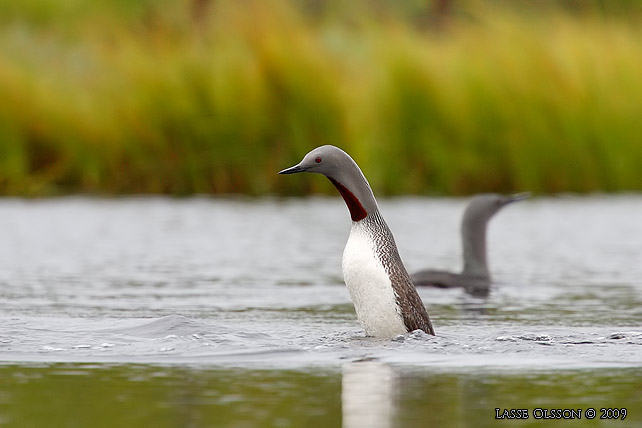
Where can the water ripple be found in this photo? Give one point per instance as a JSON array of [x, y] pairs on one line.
[[258, 282]]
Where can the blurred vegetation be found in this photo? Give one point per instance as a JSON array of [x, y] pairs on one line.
[[216, 96]]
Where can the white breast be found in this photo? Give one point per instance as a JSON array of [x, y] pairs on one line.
[[369, 286]]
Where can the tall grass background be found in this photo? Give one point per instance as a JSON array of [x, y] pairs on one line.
[[216, 96]]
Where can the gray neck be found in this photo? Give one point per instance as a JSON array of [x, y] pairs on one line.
[[473, 235], [354, 188]]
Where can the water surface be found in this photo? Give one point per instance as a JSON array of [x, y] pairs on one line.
[[229, 308]]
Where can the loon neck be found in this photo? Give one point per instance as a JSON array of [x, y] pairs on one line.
[[356, 192], [357, 211], [474, 251]]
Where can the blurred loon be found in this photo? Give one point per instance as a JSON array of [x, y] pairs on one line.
[[475, 277], [385, 300]]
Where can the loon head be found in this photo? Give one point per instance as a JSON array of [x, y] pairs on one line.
[[483, 207], [344, 173]]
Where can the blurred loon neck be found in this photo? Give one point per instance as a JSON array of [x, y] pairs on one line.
[[474, 251]]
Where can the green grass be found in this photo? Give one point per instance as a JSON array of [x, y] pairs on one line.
[[166, 97]]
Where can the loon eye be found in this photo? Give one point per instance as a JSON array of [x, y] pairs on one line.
[[318, 159]]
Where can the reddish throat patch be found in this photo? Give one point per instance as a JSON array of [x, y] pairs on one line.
[[357, 211]]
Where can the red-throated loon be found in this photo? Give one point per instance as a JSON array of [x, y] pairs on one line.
[[384, 297], [475, 277]]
